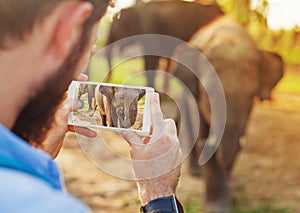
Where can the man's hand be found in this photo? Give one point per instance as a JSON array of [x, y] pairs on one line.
[[157, 158], [55, 137]]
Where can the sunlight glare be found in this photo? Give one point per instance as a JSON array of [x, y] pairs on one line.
[[281, 14], [124, 3]]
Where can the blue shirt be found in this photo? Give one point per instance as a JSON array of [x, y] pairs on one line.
[[30, 181]]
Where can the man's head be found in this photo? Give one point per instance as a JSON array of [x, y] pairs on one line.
[[50, 40]]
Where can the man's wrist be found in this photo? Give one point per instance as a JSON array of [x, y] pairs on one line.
[[148, 193], [163, 186]]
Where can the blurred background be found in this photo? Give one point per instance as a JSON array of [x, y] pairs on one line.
[[265, 178]]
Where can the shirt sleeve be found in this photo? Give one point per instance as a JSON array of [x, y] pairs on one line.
[[24, 193]]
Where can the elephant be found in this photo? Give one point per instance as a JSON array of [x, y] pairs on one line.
[[118, 105], [90, 90], [178, 19], [245, 73]]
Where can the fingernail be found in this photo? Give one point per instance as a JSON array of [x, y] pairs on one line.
[[87, 9], [82, 77]]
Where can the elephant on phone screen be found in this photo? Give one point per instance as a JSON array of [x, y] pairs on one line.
[[90, 90], [245, 73], [118, 106], [179, 19]]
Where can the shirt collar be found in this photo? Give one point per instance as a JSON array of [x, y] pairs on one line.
[[15, 153]]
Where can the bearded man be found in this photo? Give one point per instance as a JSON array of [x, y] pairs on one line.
[[44, 45]]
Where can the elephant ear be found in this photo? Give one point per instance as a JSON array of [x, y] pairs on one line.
[[271, 71], [133, 110], [83, 87], [108, 91]]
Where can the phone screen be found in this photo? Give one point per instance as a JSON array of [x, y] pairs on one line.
[[111, 106]]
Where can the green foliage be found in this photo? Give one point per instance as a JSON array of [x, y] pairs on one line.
[[194, 207], [98, 69], [124, 72], [284, 42], [289, 83], [127, 72], [191, 206], [103, 31], [226, 5], [263, 209]]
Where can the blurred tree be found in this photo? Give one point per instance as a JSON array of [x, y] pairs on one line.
[[259, 14], [253, 15], [242, 11], [276, 37], [296, 35]]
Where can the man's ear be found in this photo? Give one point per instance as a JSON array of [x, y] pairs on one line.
[[70, 16]]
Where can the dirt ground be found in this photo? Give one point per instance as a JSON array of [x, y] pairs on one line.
[[266, 174]]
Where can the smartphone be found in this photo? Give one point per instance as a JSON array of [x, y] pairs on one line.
[[111, 106]]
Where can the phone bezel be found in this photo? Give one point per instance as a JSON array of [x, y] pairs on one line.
[[146, 115]]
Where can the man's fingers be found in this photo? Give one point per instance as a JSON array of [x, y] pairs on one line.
[[155, 104], [83, 131], [157, 118], [75, 105], [131, 137], [82, 77], [170, 127], [70, 105]]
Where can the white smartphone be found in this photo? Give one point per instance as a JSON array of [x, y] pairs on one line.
[[111, 106]]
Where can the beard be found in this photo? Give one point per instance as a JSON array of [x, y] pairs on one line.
[[37, 116]]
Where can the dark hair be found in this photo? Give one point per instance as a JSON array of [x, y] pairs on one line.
[[17, 18]]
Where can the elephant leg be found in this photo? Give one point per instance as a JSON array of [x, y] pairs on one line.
[[166, 83], [79, 96], [90, 100], [151, 64], [103, 119], [87, 69], [217, 194], [107, 79], [194, 168], [114, 118], [229, 147], [91, 96], [217, 170], [108, 55]]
